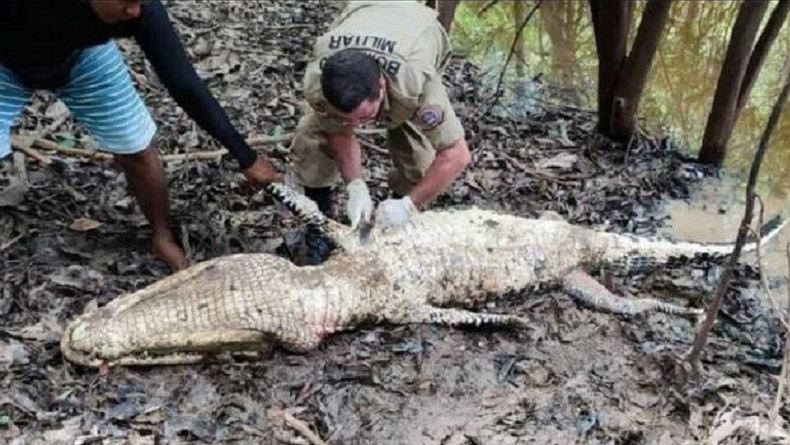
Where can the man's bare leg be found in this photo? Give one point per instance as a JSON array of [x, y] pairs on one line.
[[146, 179]]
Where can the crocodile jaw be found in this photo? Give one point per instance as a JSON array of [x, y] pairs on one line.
[[76, 344], [80, 347], [91, 341]]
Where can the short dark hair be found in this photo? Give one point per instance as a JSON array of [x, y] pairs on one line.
[[348, 78]]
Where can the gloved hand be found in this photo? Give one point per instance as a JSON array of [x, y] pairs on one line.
[[394, 212], [359, 207]]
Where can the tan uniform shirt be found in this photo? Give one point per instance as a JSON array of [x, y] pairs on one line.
[[412, 49]]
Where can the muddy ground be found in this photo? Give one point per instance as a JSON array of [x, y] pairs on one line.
[[577, 377]]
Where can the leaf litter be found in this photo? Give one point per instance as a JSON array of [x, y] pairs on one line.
[[78, 239]]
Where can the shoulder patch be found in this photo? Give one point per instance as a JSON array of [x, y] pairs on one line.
[[430, 117]]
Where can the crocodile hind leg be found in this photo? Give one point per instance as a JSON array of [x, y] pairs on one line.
[[584, 288], [427, 314]]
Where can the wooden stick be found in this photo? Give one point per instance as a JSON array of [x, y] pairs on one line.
[[372, 146], [303, 429], [724, 281], [787, 317], [78, 152], [488, 6], [371, 131], [780, 390], [298, 425], [12, 241], [196, 155], [783, 375], [510, 55], [99, 156], [20, 168], [264, 140], [24, 145], [761, 269]]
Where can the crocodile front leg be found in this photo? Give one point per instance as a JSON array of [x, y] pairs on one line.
[[585, 289]]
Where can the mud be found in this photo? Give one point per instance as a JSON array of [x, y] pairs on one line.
[[576, 376]]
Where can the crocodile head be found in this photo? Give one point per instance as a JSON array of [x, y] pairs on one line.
[[92, 343], [83, 338], [125, 330]]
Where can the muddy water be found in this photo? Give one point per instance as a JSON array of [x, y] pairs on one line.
[[715, 216], [558, 46], [559, 42]]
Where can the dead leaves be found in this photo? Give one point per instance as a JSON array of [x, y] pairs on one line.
[[251, 55], [13, 353], [736, 427], [84, 224], [221, 64], [562, 161], [14, 184], [13, 195], [46, 329]]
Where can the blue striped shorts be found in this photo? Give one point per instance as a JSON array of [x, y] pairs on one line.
[[100, 96]]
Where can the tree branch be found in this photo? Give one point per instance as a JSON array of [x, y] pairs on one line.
[[610, 27], [640, 58], [510, 55], [760, 50], [488, 6], [723, 111], [633, 76], [776, 112]]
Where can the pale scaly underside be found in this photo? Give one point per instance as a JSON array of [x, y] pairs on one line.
[[435, 269]]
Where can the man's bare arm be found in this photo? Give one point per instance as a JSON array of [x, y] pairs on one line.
[[347, 153], [448, 164]]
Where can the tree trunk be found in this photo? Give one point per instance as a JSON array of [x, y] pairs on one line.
[[723, 113], [562, 49], [632, 78], [764, 43], [610, 25], [690, 20], [430, 3], [520, 48], [519, 14], [447, 13]]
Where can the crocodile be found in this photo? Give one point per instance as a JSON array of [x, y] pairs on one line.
[[435, 269]]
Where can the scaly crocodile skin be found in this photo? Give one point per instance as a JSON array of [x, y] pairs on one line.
[[430, 271]]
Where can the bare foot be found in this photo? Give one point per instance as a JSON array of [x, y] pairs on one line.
[[166, 249]]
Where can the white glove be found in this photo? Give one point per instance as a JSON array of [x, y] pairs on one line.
[[394, 212], [360, 206]]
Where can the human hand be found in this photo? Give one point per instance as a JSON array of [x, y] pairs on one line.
[[262, 172], [359, 207], [395, 212]]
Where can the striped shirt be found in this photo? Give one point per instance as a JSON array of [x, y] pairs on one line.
[[40, 40]]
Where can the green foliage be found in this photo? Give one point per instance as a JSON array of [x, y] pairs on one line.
[[487, 38], [682, 81]]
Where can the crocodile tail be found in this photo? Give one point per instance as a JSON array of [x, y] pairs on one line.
[[751, 246], [767, 233], [629, 252], [307, 211]]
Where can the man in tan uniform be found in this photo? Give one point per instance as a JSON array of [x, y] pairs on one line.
[[382, 61]]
